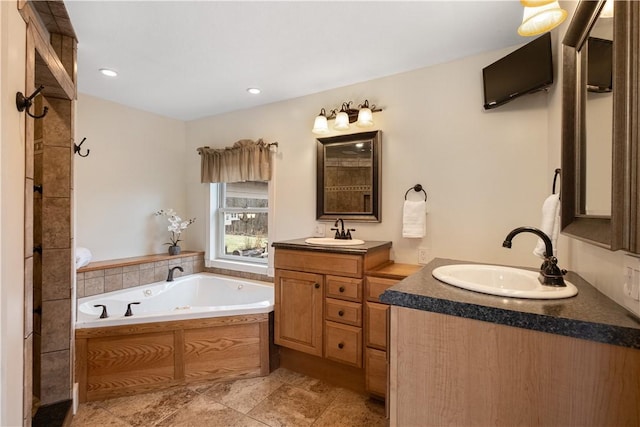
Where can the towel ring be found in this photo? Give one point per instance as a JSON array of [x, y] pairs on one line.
[[555, 177], [417, 188]]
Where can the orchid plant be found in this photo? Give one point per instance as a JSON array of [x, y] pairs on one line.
[[176, 225]]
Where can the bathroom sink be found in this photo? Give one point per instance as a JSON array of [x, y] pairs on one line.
[[330, 241], [501, 281]]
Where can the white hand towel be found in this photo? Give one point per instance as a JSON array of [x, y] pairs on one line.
[[83, 257], [550, 224], [414, 219]]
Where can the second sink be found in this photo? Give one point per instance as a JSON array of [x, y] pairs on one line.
[[501, 281]]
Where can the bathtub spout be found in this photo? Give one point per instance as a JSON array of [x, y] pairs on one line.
[[171, 270]]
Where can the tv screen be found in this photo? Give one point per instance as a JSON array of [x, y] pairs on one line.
[[525, 70], [599, 65]]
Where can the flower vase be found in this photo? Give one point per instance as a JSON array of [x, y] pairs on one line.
[[174, 250]]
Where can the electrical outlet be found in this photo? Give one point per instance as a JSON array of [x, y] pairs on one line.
[[319, 231], [424, 255]]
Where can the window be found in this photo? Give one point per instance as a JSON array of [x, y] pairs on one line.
[[242, 222]]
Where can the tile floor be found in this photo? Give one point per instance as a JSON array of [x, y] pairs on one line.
[[284, 398]]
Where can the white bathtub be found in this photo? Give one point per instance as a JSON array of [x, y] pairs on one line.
[[194, 296]]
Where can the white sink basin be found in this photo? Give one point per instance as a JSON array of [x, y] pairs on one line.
[[501, 281], [330, 241]]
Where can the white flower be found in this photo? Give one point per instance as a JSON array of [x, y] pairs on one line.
[[176, 224]]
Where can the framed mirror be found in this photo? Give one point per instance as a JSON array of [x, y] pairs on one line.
[[599, 126], [348, 177]]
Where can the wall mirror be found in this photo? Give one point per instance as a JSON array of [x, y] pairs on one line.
[[348, 177], [600, 126]]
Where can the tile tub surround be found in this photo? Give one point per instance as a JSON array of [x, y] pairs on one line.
[[282, 398], [106, 276], [589, 315]]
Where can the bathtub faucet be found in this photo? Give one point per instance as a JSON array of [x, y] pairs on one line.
[[129, 312], [550, 273], [171, 270]]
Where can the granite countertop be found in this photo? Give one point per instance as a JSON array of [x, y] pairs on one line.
[[589, 315], [300, 244]]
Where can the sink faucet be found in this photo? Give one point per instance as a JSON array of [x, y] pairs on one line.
[[550, 273], [171, 270], [341, 233]]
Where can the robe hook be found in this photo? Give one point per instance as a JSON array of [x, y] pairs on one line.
[[24, 104], [76, 148]]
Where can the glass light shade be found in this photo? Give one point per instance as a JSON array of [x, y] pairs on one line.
[[540, 19], [342, 121], [365, 118], [320, 125]]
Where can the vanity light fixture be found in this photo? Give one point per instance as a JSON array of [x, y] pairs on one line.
[[108, 72], [362, 116], [540, 16]]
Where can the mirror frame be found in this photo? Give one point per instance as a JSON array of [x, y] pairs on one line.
[[619, 231], [376, 208]]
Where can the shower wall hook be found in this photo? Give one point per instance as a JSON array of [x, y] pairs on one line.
[[24, 104], [76, 148]]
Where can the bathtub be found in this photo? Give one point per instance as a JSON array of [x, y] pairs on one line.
[[196, 328], [189, 297]]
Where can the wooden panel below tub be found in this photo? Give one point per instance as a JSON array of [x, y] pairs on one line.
[[123, 360]]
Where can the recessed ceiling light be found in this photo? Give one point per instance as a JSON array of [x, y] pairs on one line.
[[253, 90], [108, 72]]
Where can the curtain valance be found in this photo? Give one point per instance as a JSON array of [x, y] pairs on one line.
[[246, 160]]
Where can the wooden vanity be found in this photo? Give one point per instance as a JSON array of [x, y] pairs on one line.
[[459, 357], [328, 320]]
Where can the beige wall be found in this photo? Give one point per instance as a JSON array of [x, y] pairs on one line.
[[485, 171], [12, 146], [135, 168]]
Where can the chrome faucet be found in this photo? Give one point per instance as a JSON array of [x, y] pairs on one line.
[[341, 233], [550, 273], [171, 270]]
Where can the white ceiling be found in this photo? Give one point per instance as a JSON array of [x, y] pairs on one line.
[[191, 59]]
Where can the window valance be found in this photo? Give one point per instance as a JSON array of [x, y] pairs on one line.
[[246, 160]]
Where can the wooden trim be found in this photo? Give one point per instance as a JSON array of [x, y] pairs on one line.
[[123, 262], [81, 368], [178, 362], [264, 348]]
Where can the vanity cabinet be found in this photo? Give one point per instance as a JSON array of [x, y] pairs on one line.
[[319, 307], [376, 328]]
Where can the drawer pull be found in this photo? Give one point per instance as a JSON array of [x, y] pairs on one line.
[[317, 285], [341, 313], [341, 289], [340, 346]]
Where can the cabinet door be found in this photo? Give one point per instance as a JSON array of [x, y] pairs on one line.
[[298, 311], [376, 325], [376, 372]]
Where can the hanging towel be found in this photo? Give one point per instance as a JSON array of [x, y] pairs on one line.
[[550, 224], [414, 219], [83, 257]]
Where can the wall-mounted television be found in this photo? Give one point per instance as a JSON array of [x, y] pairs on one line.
[[525, 70], [599, 65]]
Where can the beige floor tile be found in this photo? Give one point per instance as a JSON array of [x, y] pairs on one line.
[[243, 395], [203, 411], [352, 409], [293, 406], [149, 408], [92, 415]]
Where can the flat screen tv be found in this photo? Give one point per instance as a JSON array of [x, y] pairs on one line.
[[599, 65], [525, 70]]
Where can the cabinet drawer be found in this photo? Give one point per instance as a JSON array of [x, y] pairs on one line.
[[319, 262], [376, 286], [376, 372], [376, 325], [343, 312], [344, 288], [343, 343]]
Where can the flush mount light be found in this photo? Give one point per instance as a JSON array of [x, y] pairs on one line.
[[540, 16], [108, 72], [362, 116], [253, 90]]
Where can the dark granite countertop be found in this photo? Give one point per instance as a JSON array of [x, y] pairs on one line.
[[589, 315], [300, 244]]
